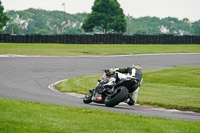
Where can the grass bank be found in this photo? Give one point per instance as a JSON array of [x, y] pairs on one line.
[[21, 116], [92, 49], [175, 88]]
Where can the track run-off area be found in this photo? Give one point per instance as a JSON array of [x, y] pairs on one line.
[[28, 78]]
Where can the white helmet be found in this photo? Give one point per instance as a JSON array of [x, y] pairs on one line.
[[137, 66]]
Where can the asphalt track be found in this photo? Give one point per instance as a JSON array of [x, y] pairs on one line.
[[28, 78]]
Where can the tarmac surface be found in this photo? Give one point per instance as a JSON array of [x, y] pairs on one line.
[[28, 77]]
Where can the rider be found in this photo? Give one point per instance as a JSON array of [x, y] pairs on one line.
[[134, 71]]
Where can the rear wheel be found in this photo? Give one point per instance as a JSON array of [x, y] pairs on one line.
[[88, 98], [120, 94]]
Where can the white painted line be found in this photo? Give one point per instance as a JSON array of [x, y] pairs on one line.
[[12, 55], [76, 95], [173, 110], [52, 86]]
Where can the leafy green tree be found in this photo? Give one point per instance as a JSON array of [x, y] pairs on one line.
[[31, 28], [106, 16], [142, 31], [72, 30], [177, 27], [44, 32], [15, 28], [196, 28], [3, 17]]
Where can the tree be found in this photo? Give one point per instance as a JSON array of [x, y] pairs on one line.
[[142, 31], [15, 28], [196, 28], [3, 17], [106, 16], [72, 30], [44, 32]]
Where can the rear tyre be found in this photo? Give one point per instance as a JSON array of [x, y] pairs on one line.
[[120, 94], [88, 98]]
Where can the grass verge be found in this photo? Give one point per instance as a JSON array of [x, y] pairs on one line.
[[92, 49], [22, 116], [175, 88]]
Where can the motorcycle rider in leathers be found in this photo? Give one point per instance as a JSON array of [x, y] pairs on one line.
[[136, 72]]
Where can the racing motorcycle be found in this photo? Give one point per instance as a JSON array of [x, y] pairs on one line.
[[111, 89]]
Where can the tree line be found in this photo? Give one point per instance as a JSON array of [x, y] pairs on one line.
[[39, 21]]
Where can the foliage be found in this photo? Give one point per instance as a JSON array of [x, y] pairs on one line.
[[3, 17], [155, 26], [143, 25], [106, 15], [33, 21], [38, 21], [15, 28], [196, 28]]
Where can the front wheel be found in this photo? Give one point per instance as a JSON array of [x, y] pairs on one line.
[[120, 94], [88, 98]]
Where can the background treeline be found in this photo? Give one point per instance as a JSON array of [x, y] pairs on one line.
[[38, 21]]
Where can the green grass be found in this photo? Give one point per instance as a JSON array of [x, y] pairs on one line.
[[22, 116], [175, 88], [92, 49]]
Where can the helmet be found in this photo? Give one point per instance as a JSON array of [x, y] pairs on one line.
[[109, 72], [137, 66]]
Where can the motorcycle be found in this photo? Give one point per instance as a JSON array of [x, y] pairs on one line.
[[110, 92]]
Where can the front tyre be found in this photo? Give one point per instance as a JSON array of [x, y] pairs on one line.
[[120, 94], [88, 98]]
